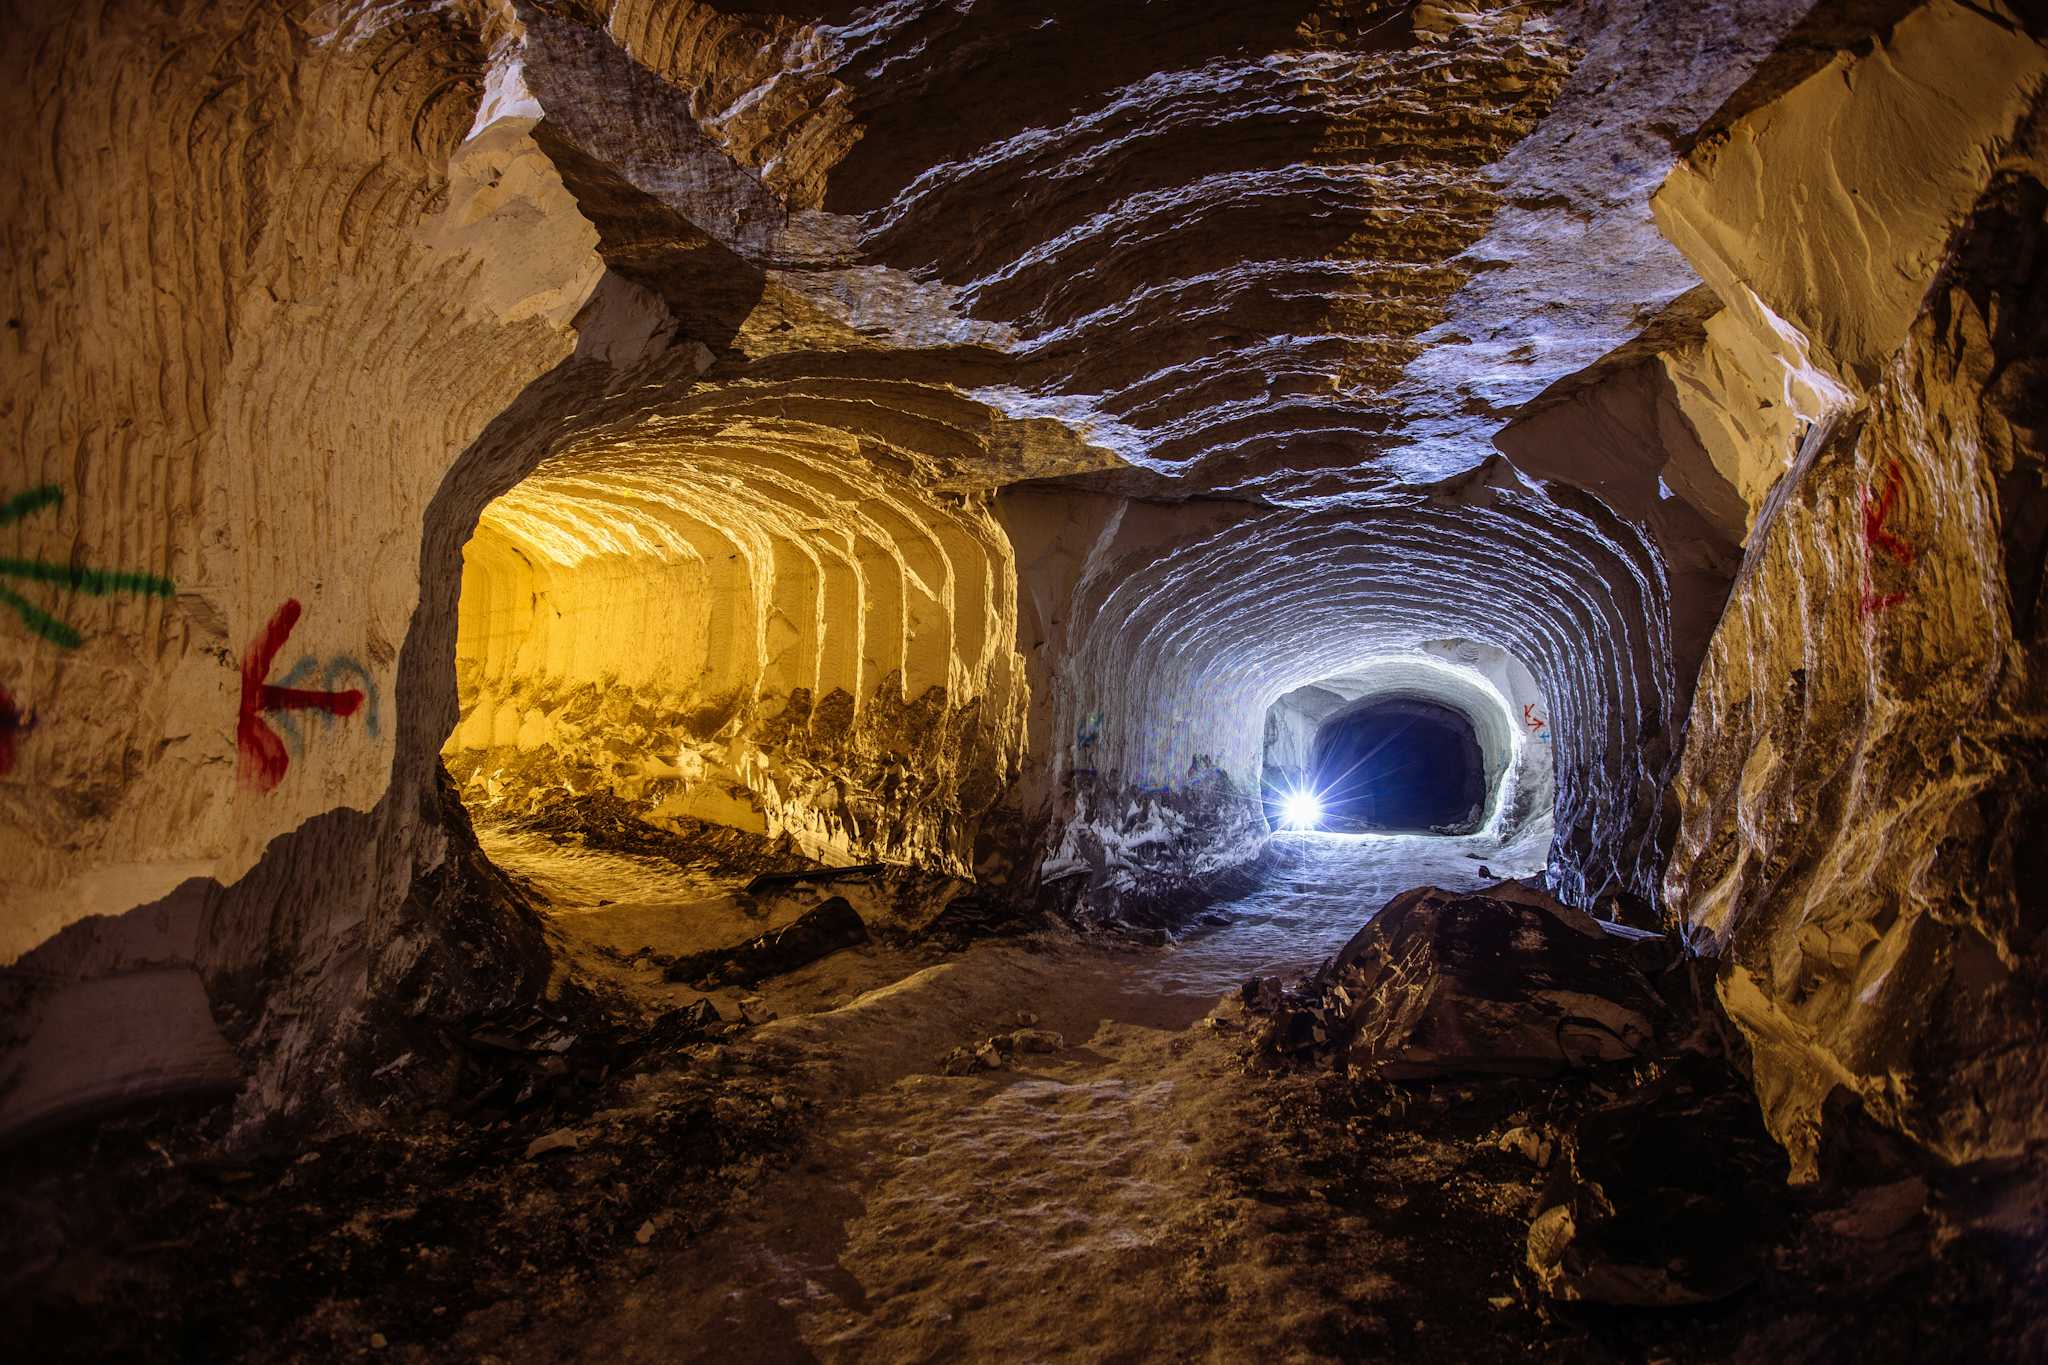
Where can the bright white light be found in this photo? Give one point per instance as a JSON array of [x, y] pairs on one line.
[[1301, 810]]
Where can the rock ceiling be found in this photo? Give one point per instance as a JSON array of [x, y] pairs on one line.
[[1291, 253]]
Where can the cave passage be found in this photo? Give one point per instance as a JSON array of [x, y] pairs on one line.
[[868, 681], [1400, 765]]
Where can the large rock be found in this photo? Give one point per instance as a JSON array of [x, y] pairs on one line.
[[1504, 982], [1862, 793], [814, 934]]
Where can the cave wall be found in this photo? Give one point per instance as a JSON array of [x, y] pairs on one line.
[[1230, 312], [229, 202], [1862, 777]]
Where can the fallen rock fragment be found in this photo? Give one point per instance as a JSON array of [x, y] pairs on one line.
[[679, 1027], [560, 1140], [817, 933], [1532, 1146], [961, 1061], [1037, 1040], [996, 1052], [1261, 993], [1506, 981]]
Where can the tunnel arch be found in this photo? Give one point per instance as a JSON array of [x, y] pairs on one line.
[[1489, 689]]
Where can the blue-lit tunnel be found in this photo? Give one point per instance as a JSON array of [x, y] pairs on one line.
[[1399, 765]]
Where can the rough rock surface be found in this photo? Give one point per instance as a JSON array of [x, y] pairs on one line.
[[1862, 791], [1503, 982], [875, 427], [1671, 1195]]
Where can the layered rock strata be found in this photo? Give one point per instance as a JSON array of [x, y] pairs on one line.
[[759, 630], [935, 446]]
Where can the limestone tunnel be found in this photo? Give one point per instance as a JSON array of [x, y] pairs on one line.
[[1330, 679]]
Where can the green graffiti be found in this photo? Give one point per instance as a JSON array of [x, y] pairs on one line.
[[75, 577], [21, 504]]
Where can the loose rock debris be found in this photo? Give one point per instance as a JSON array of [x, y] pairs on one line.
[[999, 1050], [816, 933], [1648, 1179]]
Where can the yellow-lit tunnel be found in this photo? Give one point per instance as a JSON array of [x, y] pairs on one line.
[[763, 631]]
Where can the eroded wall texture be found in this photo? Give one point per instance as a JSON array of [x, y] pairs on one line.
[[1862, 792], [879, 430]]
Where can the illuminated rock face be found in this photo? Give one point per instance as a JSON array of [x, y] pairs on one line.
[[773, 636], [945, 435], [1862, 788]]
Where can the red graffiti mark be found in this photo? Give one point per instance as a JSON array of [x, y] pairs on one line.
[[263, 756], [1532, 721], [12, 725], [1875, 514]]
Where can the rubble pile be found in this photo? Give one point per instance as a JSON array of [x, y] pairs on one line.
[[999, 1050], [1672, 1194], [1655, 1161], [580, 1148]]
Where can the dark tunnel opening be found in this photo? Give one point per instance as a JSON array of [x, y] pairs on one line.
[[1400, 765]]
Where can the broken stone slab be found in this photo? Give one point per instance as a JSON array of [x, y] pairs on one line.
[[815, 934], [1532, 1146], [1037, 1040], [560, 1140], [771, 880], [1671, 1195], [1505, 981]]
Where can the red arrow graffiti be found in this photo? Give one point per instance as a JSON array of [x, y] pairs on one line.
[[1874, 518], [1875, 515], [1534, 722], [263, 756]]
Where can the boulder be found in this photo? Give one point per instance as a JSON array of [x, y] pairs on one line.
[[816, 933], [1505, 981]]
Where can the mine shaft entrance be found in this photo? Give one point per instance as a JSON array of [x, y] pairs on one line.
[[1399, 765]]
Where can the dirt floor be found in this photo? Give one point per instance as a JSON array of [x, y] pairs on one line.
[[843, 1181]]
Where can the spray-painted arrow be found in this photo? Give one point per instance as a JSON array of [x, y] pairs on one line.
[[263, 755], [77, 577]]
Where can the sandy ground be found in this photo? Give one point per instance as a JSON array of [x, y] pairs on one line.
[[1126, 1198]]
